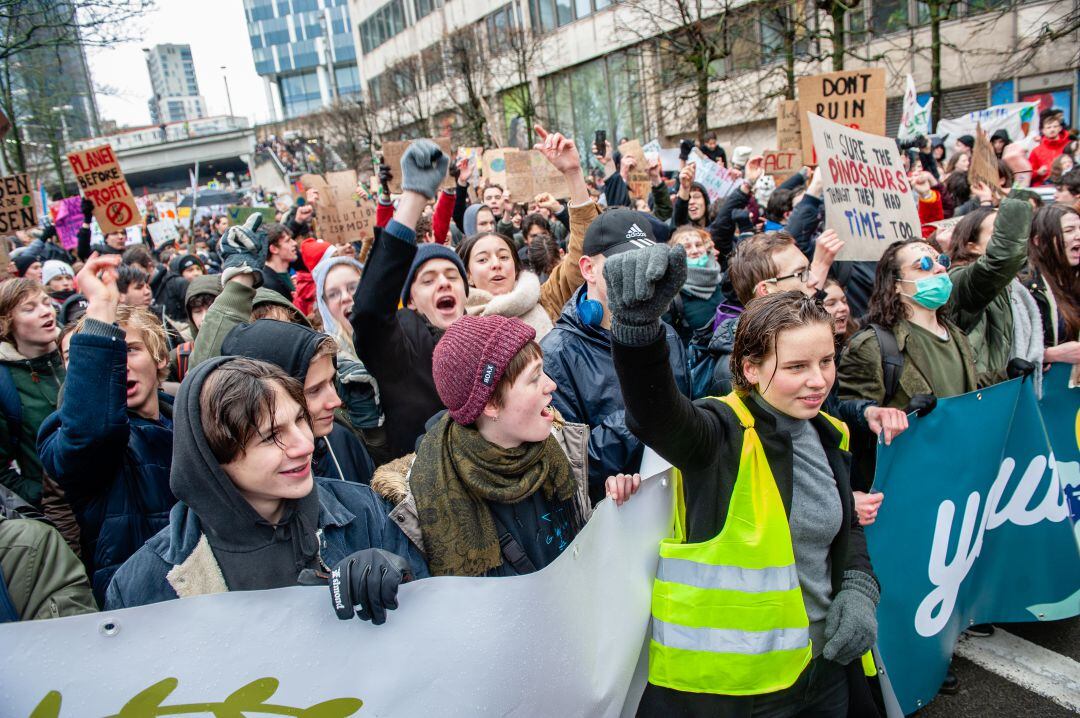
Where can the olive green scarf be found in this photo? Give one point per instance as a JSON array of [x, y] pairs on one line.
[[456, 472]]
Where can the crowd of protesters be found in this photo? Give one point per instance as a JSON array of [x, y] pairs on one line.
[[253, 407]]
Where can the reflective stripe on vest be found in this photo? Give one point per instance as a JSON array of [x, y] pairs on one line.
[[728, 614]]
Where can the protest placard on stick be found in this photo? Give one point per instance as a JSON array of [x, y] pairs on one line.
[[17, 208], [102, 181], [638, 179], [781, 164], [393, 151], [868, 200], [854, 98], [716, 179], [529, 173], [67, 218], [984, 163], [493, 165], [788, 129]]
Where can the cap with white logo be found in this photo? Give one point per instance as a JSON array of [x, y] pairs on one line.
[[616, 231]]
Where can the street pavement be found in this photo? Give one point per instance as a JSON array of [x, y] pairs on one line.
[[1024, 669]]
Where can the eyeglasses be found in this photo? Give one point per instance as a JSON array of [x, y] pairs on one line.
[[802, 275], [926, 262]]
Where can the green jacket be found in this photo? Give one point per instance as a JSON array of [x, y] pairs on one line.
[[232, 307], [44, 578], [861, 375], [38, 382], [979, 304]]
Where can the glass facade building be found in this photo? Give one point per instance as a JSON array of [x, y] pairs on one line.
[[286, 37]]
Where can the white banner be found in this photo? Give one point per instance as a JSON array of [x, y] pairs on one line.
[[915, 119], [716, 179], [1019, 119], [564, 641]]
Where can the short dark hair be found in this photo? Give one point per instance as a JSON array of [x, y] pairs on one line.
[[274, 233], [1070, 181], [423, 226], [543, 253], [761, 323], [534, 220], [236, 398], [517, 365], [780, 202], [495, 186], [137, 254], [199, 301], [128, 275]]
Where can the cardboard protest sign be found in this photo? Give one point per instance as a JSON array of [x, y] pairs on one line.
[[343, 215], [166, 212], [868, 200], [17, 207], [984, 162], [529, 173], [788, 125], [102, 181], [67, 217], [238, 214], [716, 179], [493, 164], [781, 164], [638, 179], [393, 151], [161, 233], [854, 98]]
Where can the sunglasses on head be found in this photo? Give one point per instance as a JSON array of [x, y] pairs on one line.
[[926, 262]]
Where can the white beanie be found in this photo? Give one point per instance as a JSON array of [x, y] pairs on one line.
[[740, 156], [54, 268]]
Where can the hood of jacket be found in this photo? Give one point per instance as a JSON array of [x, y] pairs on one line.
[[252, 552], [209, 284], [318, 275], [522, 298], [269, 296], [284, 344], [10, 355], [468, 225]]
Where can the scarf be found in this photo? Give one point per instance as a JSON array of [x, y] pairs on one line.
[[1027, 339], [701, 281], [456, 472]]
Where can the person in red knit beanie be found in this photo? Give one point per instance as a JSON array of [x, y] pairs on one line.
[[312, 251], [499, 485]]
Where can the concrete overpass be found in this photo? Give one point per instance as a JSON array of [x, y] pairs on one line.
[[165, 165]]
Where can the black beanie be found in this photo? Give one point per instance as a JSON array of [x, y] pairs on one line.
[[23, 262]]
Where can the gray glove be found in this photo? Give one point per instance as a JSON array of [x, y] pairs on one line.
[[640, 286], [851, 624], [244, 245], [423, 167]]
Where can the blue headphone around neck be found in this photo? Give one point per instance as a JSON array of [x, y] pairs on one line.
[[590, 311]]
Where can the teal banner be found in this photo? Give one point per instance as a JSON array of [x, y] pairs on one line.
[[975, 525]]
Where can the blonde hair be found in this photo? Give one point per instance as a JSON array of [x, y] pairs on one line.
[[145, 321]]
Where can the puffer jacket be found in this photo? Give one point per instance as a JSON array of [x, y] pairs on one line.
[[178, 562], [980, 304], [37, 382], [391, 482], [578, 359], [112, 464]]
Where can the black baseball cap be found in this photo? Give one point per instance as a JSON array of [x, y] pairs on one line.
[[616, 231]]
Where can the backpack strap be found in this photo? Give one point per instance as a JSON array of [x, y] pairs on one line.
[[183, 357], [892, 361], [11, 407], [512, 551]]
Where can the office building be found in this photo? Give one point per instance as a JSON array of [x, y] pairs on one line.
[[296, 43], [176, 90]]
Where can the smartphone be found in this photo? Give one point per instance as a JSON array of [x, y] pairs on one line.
[[601, 142]]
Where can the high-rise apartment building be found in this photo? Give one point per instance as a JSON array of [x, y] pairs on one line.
[[176, 90], [295, 43]]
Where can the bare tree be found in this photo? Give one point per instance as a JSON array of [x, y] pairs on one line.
[[404, 98], [41, 24], [521, 52], [467, 67], [348, 126]]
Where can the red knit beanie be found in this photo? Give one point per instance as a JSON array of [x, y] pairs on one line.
[[470, 359], [312, 250]]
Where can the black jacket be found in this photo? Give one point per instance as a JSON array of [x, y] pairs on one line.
[[342, 450], [272, 280], [171, 292], [578, 359], [396, 345]]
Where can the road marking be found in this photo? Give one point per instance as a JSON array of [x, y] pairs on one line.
[[1026, 664]]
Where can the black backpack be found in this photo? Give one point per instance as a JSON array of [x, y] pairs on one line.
[[892, 361]]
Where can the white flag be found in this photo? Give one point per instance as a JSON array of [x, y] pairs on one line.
[[915, 119]]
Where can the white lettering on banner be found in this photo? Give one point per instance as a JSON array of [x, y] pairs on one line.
[[564, 641], [936, 609]]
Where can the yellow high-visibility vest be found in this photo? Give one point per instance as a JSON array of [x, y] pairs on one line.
[[727, 614]]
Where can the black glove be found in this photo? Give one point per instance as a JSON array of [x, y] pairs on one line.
[[640, 286], [1018, 367], [87, 210], [923, 404], [385, 175], [48, 233], [454, 170], [684, 149], [370, 579]]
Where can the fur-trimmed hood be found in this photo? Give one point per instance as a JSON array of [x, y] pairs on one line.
[[523, 302]]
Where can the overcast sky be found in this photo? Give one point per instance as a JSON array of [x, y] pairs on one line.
[[217, 33]]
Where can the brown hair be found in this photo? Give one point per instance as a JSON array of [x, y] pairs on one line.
[[752, 262], [1047, 253], [761, 324], [465, 249], [514, 369], [273, 310], [886, 306], [14, 292], [966, 232], [236, 398]]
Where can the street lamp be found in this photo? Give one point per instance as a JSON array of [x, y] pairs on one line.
[[227, 95]]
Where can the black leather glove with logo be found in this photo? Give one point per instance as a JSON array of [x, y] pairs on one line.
[[368, 579]]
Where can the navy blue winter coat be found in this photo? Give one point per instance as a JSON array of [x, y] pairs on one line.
[[171, 564], [578, 359], [112, 464]]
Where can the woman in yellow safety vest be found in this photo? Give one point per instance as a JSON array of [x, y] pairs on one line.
[[764, 600]]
